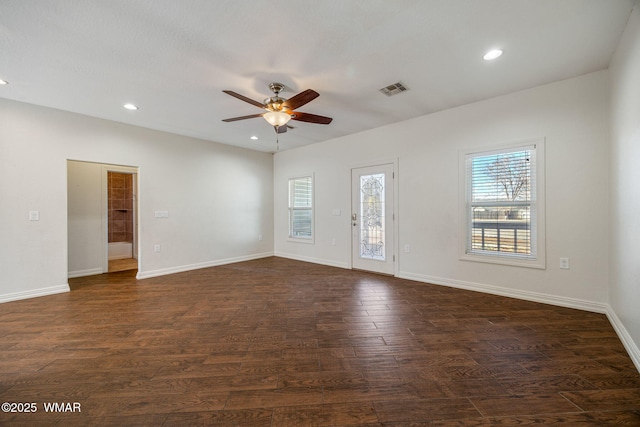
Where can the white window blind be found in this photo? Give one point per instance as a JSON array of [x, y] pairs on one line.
[[501, 203], [301, 207]]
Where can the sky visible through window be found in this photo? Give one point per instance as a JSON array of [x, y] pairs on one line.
[[501, 177]]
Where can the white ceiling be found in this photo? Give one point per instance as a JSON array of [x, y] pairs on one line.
[[174, 58]]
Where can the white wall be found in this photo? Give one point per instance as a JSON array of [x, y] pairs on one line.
[[210, 220], [572, 116], [84, 213], [625, 180]]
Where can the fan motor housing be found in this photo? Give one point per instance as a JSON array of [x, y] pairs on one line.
[[274, 103]]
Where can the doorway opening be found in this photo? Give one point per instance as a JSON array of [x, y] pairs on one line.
[[102, 218], [121, 221]]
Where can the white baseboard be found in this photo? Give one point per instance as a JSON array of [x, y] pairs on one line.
[[511, 293], [329, 263], [197, 266], [51, 290], [87, 272], [623, 334]]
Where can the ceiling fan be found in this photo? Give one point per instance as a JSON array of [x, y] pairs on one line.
[[281, 110]]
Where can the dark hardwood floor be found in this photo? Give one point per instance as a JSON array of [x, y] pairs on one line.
[[276, 342]]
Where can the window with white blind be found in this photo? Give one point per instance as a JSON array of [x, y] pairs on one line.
[[504, 205], [301, 208]]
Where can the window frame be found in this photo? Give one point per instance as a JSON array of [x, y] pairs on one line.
[[537, 204], [291, 209]]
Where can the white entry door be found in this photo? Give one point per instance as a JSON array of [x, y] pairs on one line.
[[372, 217]]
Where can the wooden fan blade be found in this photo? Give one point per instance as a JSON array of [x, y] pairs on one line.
[[300, 99], [235, 119], [244, 98], [310, 118]]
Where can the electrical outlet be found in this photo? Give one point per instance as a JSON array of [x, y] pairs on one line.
[[407, 248], [564, 263], [260, 237], [34, 215], [156, 248]]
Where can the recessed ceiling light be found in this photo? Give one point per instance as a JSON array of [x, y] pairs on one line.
[[254, 137], [131, 107], [492, 54], [3, 82]]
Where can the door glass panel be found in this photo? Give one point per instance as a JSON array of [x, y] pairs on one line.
[[372, 232]]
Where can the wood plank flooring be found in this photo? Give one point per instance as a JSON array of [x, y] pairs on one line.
[[122, 264], [276, 342]]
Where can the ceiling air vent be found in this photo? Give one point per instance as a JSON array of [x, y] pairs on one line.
[[393, 89]]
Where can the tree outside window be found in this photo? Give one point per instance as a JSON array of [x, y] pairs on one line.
[[501, 200]]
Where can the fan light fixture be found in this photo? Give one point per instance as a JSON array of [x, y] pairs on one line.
[[278, 111], [276, 118]]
